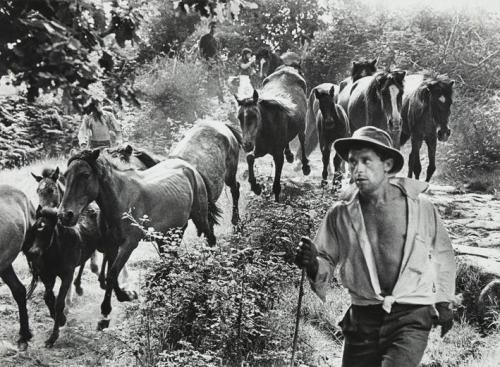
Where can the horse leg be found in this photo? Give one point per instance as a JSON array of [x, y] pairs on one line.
[[19, 293], [78, 280], [278, 165], [431, 149], [403, 138], [337, 175], [123, 277], [415, 151], [48, 295], [254, 186], [235, 193], [306, 169], [94, 268], [102, 274], [60, 318], [325, 156], [288, 154]]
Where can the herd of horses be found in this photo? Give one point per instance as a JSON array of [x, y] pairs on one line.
[[92, 206]]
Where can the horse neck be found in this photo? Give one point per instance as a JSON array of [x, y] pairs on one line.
[[116, 191]]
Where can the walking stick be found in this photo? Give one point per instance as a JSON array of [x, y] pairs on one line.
[[297, 317]]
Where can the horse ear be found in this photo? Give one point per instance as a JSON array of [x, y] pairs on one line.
[[354, 63], [452, 83], [400, 75], [255, 96], [37, 178], [332, 91], [55, 175], [316, 93], [374, 61], [129, 149], [237, 100], [38, 210], [95, 154]]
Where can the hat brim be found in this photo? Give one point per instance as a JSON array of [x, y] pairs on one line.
[[343, 145]]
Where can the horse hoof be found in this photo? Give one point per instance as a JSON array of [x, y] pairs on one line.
[[102, 284], [22, 345], [235, 219], [126, 296], [324, 183], [102, 324], [257, 189], [94, 268], [306, 170], [79, 290], [49, 343], [289, 158]]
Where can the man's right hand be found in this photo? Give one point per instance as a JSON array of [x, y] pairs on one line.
[[306, 257]]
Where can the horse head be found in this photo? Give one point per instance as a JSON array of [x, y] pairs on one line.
[[361, 69], [389, 86], [48, 189], [82, 186], [43, 231], [326, 98], [439, 93], [250, 120]]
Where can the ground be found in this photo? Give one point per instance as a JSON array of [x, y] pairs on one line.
[[471, 218]]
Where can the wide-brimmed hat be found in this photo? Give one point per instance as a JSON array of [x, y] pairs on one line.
[[371, 137], [246, 50]]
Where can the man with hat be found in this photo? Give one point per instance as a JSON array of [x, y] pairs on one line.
[[99, 127], [247, 70], [393, 254]]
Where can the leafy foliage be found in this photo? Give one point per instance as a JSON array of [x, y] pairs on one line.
[[217, 304]]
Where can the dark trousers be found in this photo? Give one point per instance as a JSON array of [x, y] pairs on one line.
[[374, 338]]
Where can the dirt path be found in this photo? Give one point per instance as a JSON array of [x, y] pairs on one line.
[[473, 220]]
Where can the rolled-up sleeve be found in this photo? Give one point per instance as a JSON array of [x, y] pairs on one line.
[[84, 131], [445, 258], [328, 253]]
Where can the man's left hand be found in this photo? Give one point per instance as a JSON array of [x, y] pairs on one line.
[[445, 318]]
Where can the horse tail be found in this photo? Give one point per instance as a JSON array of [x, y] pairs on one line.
[[311, 140], [236, 132], [34, 279], [214, 212]]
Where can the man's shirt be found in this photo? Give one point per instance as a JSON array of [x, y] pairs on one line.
[[428, 270]]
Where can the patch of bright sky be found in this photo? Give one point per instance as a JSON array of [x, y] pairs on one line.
[[440, 5]]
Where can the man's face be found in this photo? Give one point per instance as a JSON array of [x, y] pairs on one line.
[[367, 169]]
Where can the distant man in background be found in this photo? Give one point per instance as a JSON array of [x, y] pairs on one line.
[[99, 128], [393, 254], [209, 51]]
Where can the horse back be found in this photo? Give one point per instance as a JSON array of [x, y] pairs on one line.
[[17, 215]]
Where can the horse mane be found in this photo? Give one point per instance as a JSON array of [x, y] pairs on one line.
[[145, 157], [236, 132]]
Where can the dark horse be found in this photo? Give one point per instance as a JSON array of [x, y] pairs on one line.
[[426, 109], [270, 121], [17, 216], [56, 252], [268, 61], [170, 193], [213, 148], [127, 157], [50, 191], [359, 70], [326, 122], [376, 100]]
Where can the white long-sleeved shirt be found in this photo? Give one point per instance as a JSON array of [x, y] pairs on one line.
[[428, 269]]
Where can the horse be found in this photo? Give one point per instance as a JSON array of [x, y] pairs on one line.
[[269, 122], [425, 112], [268, 61], [50, 191], [17, 216], [169, 193], [55, 252], [376, 100], [326, 122], [359, 70], [213, 147], [126, 157]]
